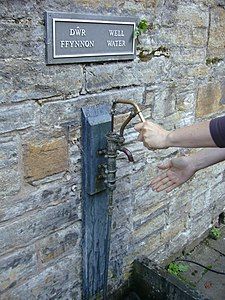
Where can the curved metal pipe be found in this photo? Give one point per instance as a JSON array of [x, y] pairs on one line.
[[131, 102], [127, 121], [128, 154]]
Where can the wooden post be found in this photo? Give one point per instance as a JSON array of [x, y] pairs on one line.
[[96, 123]]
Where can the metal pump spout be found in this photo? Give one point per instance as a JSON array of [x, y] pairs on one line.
[[128, 154]]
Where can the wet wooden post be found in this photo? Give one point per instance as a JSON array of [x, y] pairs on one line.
[[96, 123]]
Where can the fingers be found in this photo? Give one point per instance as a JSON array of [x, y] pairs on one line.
[[138, 127], [172, 187], [160, 185], [158, 179], [147, 145], [165, 165], [165, 181], [140, 137], [143, 125], [166, 185], [141, 128]]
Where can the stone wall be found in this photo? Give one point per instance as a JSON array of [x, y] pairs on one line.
[[178, 79]]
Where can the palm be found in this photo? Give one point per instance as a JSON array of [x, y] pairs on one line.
[[176, 172]]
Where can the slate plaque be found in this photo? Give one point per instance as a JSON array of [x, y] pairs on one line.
[[72, 38]]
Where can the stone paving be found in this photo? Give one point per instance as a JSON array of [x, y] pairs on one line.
[[210, 253]]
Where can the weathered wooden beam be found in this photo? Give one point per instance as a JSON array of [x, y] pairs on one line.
[[96, 123]]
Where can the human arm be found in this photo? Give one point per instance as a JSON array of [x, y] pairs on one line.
[[156, 137], [180, 169]]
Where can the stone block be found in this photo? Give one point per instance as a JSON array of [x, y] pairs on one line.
[[132, 6], [23, 10], [199, 204], [30, 79], [199, 71], [176, 244], [183, 36], [217, 206], [39, 198], [106, 77], [10, 177], [89, 6], [216, 40], [9, 151], [58, 113], [36, 225], [44, 158], [28, 12], [172, 230], [189, 56], [10, 182], [58, 244], [17, 117], [22, 40], [60, 281], [200, 225], [122, 214], [149, 97], [149, 226], [180, 207], [164, 103], [192, 15], [185, 106], [140, 183], [209, 99], [17, 267], [148, 246], [142, 218]]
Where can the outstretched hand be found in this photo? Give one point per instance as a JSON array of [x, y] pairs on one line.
[[176, 172]]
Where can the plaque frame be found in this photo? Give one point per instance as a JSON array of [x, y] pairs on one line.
[[53, 58]]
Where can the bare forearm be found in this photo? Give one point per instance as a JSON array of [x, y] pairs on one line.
[[206, 158], [194, 136]]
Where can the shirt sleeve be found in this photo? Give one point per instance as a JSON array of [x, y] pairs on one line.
[[217, 131]]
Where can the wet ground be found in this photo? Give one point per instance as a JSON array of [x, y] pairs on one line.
[[210, 253]]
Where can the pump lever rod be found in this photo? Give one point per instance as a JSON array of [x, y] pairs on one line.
[[136, 111], [131, 102]]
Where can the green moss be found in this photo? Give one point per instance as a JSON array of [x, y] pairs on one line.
[[142, 27], [215, 233], [213, 60], [176, 268], [146, 54]]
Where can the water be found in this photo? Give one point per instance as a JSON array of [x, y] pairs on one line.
[[132, 296]]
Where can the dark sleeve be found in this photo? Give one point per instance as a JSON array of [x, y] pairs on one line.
[[217, 130]]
